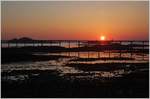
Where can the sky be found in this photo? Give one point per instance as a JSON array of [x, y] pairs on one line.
[[75, 20]]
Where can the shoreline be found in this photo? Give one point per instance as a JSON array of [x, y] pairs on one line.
[[49, 84]]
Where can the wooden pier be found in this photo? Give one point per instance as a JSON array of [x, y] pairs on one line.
[[122, 46]]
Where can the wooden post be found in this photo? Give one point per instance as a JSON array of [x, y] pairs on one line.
[[59, 43], [78, 43], [42, 43], [109, 50], [98, 54], [78, 54], [78, 48], [109, 53], [120, 49], [131, 48], [88, 49], [69, 44], [100, 50], [143, 50]]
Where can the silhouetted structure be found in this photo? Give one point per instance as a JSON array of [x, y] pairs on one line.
[[123, 46]]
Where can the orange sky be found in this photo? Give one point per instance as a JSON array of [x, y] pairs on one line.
[[86, 20]]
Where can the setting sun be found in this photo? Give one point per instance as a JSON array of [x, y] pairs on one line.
[[102, 38]]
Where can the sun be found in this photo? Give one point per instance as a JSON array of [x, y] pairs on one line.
[[102, 38]]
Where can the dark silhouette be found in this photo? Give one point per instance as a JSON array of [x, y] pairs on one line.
[[21, 40], [132, 82]]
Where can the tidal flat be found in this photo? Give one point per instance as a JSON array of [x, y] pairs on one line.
[[29, 73]]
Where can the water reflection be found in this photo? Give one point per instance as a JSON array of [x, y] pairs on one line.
[[72, 72], [136, 56]]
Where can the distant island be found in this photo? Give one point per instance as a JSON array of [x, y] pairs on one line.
[[23, 39]]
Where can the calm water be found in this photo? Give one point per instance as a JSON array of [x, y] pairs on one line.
[[65, 44], [39, 44]]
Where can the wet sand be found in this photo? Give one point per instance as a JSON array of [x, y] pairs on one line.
[[10, 55], [48, 83], [108, 66]]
